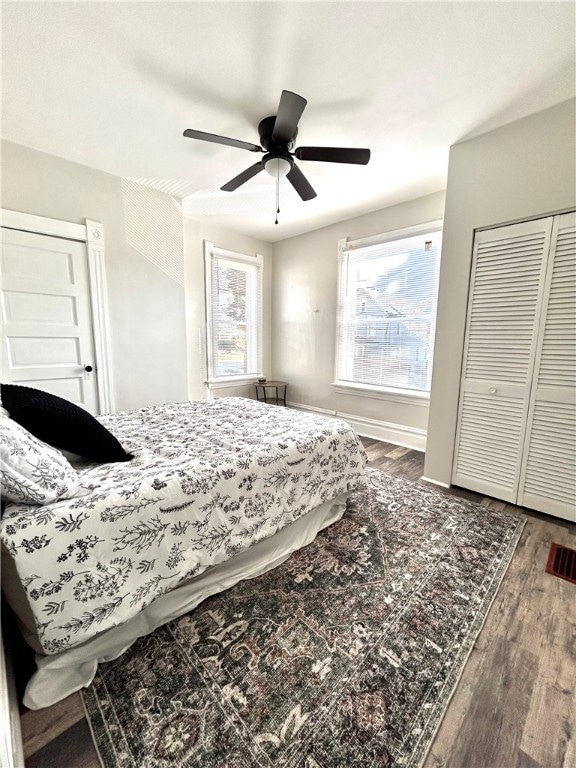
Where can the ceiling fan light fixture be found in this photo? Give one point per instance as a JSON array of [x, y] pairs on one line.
[[278, 166]]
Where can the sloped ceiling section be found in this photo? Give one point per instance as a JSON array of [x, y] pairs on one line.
[[114, 85], [255, 195], [153, 227]]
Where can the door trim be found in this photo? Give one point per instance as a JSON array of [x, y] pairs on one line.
[[11, 747], [91, 233]]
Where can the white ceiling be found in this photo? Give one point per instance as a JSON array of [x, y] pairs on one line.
[[112, 85]]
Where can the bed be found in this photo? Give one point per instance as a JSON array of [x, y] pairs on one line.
[[216, 491]]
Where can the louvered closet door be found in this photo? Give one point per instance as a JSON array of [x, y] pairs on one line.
[[548, 480], [508, 271]]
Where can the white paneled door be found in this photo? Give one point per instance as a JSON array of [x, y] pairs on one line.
[[47, 339]]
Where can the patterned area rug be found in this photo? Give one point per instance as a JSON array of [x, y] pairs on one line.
[[345, 655]]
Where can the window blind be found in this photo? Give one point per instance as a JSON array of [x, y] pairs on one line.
[[387, 312], [234, 304]]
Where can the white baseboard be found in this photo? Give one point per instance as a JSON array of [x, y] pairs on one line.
[[407, 437], [435, 482]]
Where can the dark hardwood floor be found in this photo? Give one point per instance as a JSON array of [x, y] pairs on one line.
[[514, 704]]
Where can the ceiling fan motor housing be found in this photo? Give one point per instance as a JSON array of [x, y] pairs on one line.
[[277, 148]]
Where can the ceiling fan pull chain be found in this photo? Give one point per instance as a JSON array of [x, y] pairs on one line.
[[277, 195]]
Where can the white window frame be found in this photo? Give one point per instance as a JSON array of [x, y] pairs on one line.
[[211, 253], [345, 247]]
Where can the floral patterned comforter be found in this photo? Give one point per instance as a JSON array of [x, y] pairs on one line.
[[208, 480]]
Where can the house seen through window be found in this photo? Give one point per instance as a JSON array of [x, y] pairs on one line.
[[387, 311], [234, 314]]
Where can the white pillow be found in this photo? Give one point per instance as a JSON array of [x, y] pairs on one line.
[[31, 471]]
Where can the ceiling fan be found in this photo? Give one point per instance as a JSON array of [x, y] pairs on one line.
[[277, 137]]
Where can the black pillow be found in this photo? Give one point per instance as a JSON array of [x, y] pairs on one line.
[[62, 424]]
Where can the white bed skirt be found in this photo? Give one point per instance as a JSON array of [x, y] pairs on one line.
[[60, 675]]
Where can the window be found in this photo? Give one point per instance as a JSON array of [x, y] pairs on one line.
[[388, 288], [234, 314]]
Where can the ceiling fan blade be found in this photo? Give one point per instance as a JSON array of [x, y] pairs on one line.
[[215, 139], [289, 113], [334, 155], [243, 177], [300, 183]]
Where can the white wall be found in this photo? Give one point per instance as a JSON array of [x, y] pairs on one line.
[[522, 170], [147, 314], [304, 304], [196, 231]]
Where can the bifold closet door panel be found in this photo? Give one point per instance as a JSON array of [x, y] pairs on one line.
[[507, 281], [548, 478]]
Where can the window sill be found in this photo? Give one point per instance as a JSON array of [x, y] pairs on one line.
[[236, 382], [404, 396]]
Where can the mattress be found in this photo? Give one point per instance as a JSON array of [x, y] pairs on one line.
[[208, 481], [59, 675]]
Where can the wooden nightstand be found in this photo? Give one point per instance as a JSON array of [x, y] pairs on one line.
[[280, 396]]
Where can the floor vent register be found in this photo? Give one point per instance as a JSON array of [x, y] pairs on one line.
[[562, 562]]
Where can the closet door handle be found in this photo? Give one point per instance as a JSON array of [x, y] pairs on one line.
[[493, 390]]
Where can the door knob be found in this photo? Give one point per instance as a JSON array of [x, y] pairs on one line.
[[88, 368], [492, 390]]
